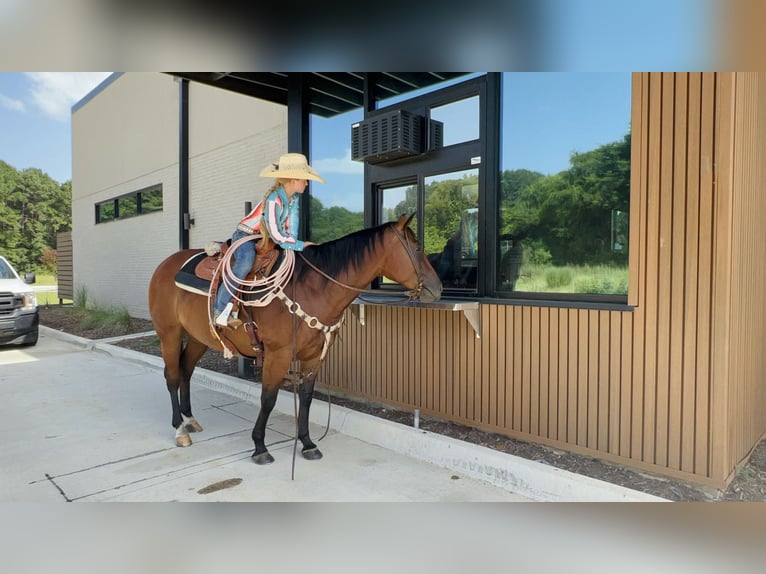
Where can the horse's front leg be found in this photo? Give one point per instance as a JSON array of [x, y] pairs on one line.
[[268, 400], [275, 367], [310, 450]]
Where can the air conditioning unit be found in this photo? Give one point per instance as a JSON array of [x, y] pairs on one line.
[[435, 135], [387, 137]]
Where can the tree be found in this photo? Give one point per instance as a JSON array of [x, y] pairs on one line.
[[33, 209], [571, 214]]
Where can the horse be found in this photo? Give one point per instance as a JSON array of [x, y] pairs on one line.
[[326, 279]]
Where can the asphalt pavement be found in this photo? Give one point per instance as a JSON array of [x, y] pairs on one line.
[[90, 421]]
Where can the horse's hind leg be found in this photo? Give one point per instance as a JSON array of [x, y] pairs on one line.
[[190, 356], [180, 400]]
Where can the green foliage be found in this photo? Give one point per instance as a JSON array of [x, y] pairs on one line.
[[579, 215], [33, 209], [558, 277], [81, 297], [333, 222], [101, 316], [445, 203]]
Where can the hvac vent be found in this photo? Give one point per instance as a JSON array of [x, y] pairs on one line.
[[435, 135], [387, 137]]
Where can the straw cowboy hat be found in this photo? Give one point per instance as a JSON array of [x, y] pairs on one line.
[[291, 166]]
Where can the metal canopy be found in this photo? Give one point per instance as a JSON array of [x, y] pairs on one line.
[[329, 93]]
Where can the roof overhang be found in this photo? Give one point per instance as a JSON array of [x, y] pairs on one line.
[[328, 93]]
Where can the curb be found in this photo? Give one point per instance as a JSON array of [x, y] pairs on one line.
[[533, 480]]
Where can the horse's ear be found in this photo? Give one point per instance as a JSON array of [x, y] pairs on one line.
[[404, 220]]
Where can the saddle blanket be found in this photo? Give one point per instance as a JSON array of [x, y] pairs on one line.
[[187, 277]]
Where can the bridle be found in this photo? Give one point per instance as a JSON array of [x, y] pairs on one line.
[[410, 294]]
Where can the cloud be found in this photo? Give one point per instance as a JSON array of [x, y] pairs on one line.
[[55, 92], [341, 165], [11, 104]]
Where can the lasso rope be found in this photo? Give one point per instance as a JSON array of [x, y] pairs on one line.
[[265, 287]]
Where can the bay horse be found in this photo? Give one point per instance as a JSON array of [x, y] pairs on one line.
[[325, 280]]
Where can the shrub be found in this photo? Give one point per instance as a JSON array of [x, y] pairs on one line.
[[555, 278]]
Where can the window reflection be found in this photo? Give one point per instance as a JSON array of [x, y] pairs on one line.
[[565, 183], [451, 227]]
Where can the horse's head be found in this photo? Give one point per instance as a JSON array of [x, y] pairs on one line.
[[408, 265]]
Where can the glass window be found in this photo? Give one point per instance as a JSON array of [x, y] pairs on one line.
[[396, 201], [127, 206], [451, 227], [458, 121], [336, 207], [130, 205], [151, 200], [564, 191]]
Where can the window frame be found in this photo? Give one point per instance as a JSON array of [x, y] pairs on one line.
[[139, 207]]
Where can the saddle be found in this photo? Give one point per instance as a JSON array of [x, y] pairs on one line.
[[196, 273]]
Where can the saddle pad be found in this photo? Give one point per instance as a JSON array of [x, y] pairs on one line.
[[187, 279]]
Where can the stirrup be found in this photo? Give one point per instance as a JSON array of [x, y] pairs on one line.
[[223, 318]]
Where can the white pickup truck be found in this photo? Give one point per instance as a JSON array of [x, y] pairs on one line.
[[19, 317]]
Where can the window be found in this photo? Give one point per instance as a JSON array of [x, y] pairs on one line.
[[130, 205], [451, 227], [564, 185]]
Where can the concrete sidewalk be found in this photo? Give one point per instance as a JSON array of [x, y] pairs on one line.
[[89, 421]]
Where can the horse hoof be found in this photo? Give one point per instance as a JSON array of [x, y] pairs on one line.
[[183, 441], [263, 458], [193, 426], [312, 454]]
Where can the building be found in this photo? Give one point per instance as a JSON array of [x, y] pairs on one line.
[[656, 366]]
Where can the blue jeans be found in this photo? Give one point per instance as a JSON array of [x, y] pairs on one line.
[[244, 257]]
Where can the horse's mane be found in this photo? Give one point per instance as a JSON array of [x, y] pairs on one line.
[[338, 255]]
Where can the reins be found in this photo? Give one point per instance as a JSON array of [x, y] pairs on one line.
[[410, 294]]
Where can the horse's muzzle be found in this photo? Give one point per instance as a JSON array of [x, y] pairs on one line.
[[431, 291]]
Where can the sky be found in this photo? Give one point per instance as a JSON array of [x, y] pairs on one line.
[[35, 118], [583, 36]]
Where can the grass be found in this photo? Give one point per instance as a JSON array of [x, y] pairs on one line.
[[93, 316], [596, 279], [47, 297]]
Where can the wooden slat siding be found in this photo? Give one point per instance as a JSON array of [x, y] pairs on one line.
[[64, 265], [638, 150], [525, 346], [563, 344], [704, 287], [722, 278], [580, 413], [639, 275], [677, 289], [626, 385], [535, 381], [602, 409], [614, 385], [747, 400], [691, 274], [629, 386], [554, 357], [650, 301], [544, 376]]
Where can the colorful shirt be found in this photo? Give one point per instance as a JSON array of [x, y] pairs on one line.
[[282, 218]]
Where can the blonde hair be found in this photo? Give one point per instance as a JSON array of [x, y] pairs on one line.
[[279, 182]]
